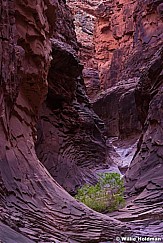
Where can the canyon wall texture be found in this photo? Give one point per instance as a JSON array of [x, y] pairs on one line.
[[117, 108], [49, 132], [109, 41], [70, 140], [126, 35], [129, 42], [145, 171], [137, 29], [135, 39], [84, 20], [35, 64]]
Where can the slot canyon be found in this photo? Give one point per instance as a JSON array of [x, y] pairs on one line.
[[81, 94]]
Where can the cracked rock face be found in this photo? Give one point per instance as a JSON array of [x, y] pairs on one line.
[[127, 34]]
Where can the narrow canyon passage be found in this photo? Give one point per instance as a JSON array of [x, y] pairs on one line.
[[120, 45], [81, 92]]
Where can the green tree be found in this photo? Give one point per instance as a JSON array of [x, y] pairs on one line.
[[106, 196]]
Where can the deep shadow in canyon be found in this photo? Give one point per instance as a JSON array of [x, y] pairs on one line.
[[69, 103]]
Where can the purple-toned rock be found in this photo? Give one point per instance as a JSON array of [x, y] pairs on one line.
[[33, 206]]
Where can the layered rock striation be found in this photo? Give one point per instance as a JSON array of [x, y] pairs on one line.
[[33, 206], [143, 63], [128, 50], [70, 140], [144, 174], [50, 135]]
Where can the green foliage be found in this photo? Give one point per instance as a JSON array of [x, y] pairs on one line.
[[106, 195]]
